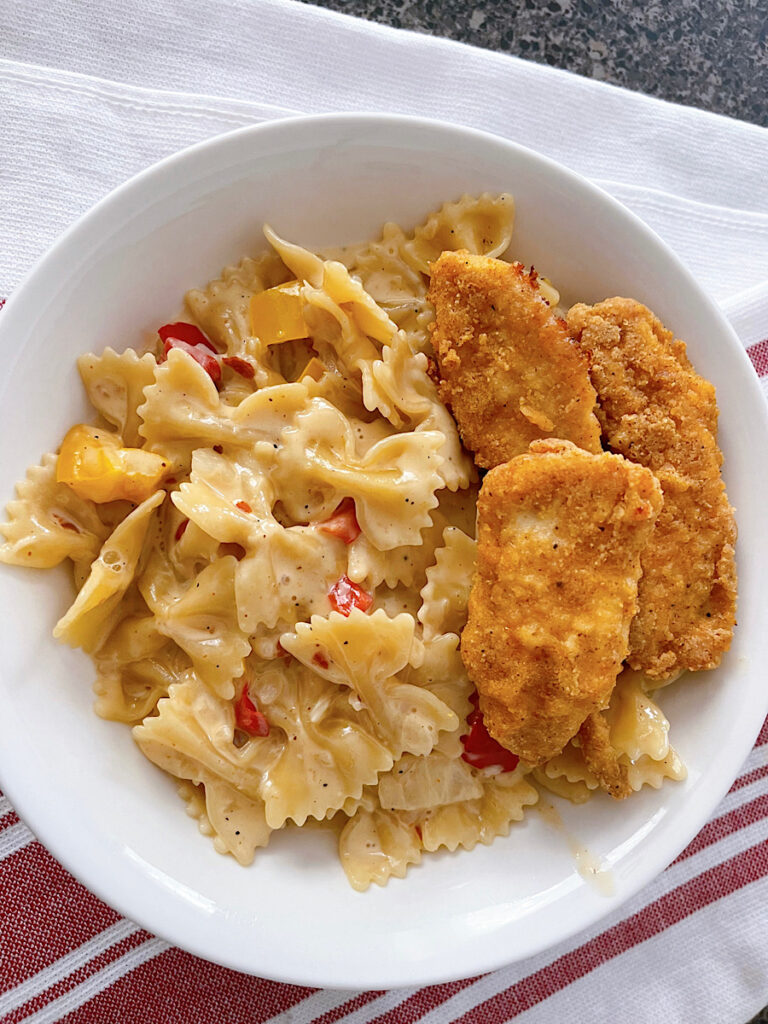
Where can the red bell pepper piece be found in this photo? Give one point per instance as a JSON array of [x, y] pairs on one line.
[[481, 750], [186, 332], [190, 339], [345, 595], [343, 523], [248, 717]]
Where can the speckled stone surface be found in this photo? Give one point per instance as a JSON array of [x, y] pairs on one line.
[[705, 53]]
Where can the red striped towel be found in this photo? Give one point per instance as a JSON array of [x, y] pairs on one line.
[[66, 956]]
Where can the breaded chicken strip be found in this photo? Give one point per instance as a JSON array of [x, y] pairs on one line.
[[656, 410], [560, 533], [509, 371]]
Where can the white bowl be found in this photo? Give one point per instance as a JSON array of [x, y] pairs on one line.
[[111, 817]]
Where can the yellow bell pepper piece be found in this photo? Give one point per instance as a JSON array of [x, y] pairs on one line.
[[96, 466], [276, 314]]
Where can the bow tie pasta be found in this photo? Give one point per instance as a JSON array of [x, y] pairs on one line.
[[271, 533]]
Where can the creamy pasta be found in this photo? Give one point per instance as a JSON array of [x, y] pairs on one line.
[[271, 532]]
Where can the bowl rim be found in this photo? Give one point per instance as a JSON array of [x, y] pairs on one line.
[[84, 866]]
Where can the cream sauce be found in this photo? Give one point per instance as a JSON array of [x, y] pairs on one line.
[[587, 863]]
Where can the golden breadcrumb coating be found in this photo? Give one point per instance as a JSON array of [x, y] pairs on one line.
[[560, 533], [656, 410], [601, 758], [509, 371]]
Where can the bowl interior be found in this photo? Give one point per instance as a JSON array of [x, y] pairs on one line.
[[116, 821]]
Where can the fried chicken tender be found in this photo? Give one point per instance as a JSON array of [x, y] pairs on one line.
[[509, 372], [656, 410], [560, 533]]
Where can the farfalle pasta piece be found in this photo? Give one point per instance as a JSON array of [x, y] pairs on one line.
[[577, 792], [234, 822], [397, 385], [203, 623], [48, 522], [638, 749], [394, 286], [238, 821], [569, 765], [193, 796], [333, 278], [329, 750], [408, 564], [231, 500], [338, 337], [504, 800], [639, 733], [393, 484], [638, 727], [227, 497], [115, 387], [418, 783], [183, 411], [136, 665], [446, 593], [396, 600], [192, 549], [222, 308], [85, 624], [481, 225], [287, 578], [131, 691], [439, 669], [365, 653], [376, 845], [647, 771], [192, 737], [401, 566]]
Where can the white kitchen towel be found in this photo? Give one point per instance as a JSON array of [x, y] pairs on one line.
[[92, 93]]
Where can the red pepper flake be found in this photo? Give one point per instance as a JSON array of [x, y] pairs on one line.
[[2, 303], [65, 524], [418, 833], [218, 448], [241, 366], [481, 750], [343, 523], [345, 595], [170, 479], [181, 528], [187, 333], [232, 548], [248, 717], [243, 506], [320, 659]]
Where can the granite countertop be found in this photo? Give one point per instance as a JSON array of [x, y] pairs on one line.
[[705, 53]]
